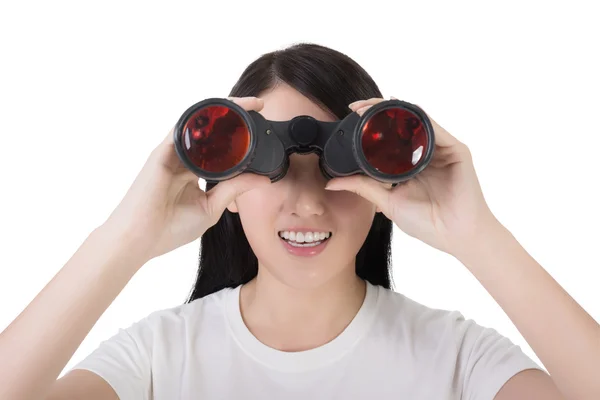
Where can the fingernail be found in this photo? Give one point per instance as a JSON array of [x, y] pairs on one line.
[[352, 104], [363, 110], [393, 98]]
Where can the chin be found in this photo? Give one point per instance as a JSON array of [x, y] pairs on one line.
[[302, 274]]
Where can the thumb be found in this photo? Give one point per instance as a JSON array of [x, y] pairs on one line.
[[219, 197], [365, 187]]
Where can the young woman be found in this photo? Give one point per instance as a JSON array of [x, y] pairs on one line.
[[266, 320]]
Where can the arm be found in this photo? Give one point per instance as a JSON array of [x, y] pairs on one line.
[[163, 209], [560, 332], [444, 207], [37, 345]]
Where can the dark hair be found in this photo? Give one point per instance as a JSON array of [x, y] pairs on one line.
[[332, 80]]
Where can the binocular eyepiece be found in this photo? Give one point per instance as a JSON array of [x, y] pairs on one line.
[[391, 142]]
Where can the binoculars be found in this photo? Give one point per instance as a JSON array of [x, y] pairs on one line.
[[391, 142]]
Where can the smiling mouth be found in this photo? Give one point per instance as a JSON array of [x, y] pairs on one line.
[[304, 239]]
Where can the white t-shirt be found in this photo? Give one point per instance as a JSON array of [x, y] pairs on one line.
[[394, 348]]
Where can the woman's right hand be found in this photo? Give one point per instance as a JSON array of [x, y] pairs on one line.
[[165, 208]]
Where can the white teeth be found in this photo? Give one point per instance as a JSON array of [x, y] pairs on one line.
[[304, 237], [296, 244]]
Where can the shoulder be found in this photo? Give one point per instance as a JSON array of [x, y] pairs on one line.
[[409, 321], [396, 308], [447, 334], [474, 360], [205, 311]]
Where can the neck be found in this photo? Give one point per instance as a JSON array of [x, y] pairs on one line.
[[293, 319]]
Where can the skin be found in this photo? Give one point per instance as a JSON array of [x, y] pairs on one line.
[[162, 210], [296, 303], [165, 209], [445, 208]]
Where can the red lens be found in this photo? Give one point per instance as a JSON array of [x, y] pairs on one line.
[[216, 138], [394, 140]]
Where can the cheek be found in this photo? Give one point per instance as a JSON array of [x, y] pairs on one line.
[[352, 211], [257, 210], [348, 203]]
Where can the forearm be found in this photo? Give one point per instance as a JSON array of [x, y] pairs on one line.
[[37, 345], [564, 337]]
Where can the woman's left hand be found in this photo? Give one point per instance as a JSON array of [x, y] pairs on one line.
[[442, 206]]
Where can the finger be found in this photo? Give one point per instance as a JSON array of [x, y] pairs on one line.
[[249, 103], [185, 175], [361, 103], [169, 138], [226, 192], [362, 110], [365, 187], [165, 153], [167, 141]]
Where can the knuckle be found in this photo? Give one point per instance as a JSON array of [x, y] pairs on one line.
[[465, 150]]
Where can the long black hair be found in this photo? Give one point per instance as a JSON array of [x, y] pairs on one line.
[[332, 80]]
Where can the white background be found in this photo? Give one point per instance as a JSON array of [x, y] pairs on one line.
[[87, 90]]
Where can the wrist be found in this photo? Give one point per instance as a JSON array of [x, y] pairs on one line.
[[481, 241], [122, 243]]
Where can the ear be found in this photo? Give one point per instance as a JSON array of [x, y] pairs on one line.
[[232, 207]]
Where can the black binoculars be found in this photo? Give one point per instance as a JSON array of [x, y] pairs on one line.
[[391, 142]]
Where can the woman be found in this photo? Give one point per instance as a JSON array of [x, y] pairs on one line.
[[264, 321]]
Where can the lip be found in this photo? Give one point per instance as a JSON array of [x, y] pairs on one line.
[[304, 251]]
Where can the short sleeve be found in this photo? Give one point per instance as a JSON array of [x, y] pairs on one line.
[[124, 361], [487, 360]]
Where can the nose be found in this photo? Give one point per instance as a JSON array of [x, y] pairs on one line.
[[306, 197], [308, 203]]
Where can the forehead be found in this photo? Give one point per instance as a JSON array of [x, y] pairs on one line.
[[283, 103]]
